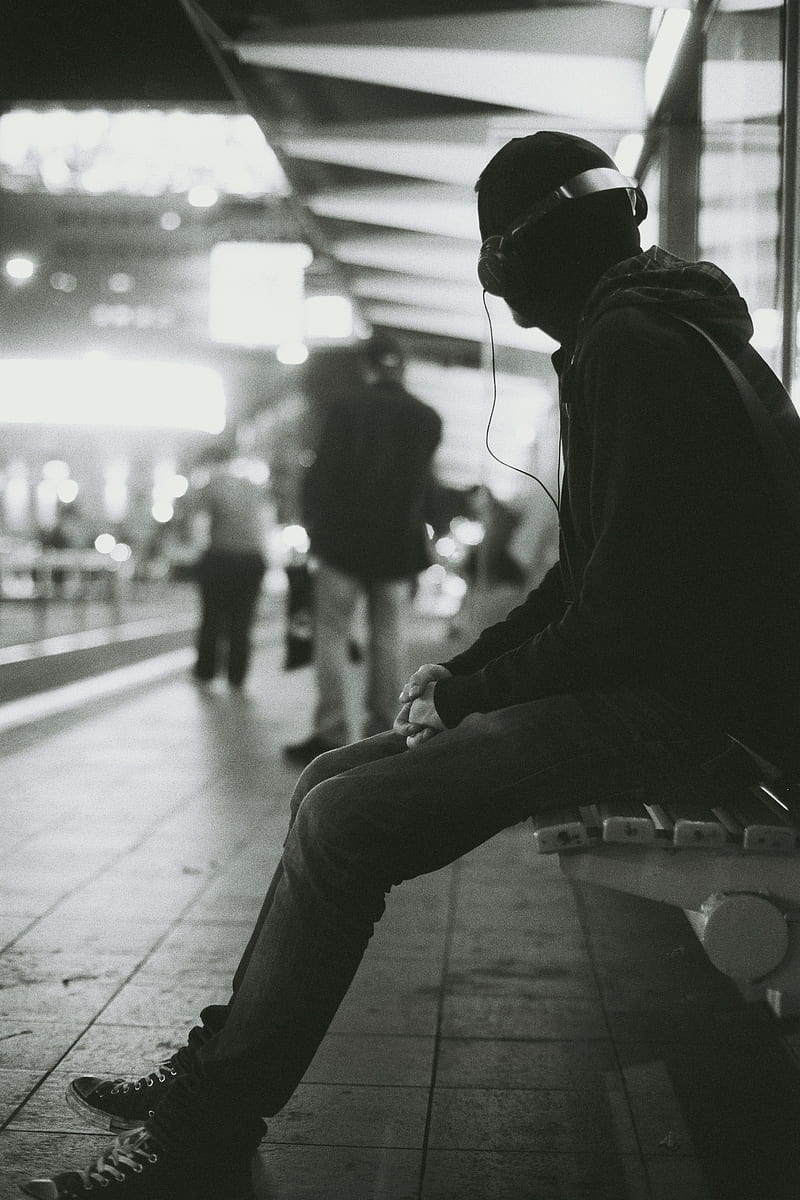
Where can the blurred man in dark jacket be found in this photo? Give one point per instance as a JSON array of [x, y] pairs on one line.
[[364, 512], [667, 634]]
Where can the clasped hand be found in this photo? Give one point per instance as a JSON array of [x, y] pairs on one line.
[[418, 720]]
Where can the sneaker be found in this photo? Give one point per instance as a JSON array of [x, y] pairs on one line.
[[138, 1167], [302, 753], [118, 1103]]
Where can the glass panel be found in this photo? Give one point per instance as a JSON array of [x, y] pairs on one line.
[[740, 167]]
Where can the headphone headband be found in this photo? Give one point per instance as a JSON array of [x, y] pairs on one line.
[[598, 179]]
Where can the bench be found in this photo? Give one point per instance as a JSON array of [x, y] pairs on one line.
[[734, 869], [29, 572]]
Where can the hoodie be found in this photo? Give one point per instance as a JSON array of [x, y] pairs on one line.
[[679, 566]]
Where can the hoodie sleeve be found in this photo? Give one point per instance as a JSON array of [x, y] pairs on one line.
[[641, 504], [542, 606]]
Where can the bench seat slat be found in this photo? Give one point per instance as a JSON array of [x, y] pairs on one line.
[[751, 822]]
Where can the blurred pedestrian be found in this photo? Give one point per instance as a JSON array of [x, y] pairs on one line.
[[364, 501], [231, 568]]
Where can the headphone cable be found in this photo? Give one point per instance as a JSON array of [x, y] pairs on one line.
[[502, 461]]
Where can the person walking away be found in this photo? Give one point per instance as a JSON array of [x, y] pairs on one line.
[[231, 569], [364, 502]]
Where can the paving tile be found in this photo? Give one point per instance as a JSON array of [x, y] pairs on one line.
[[501, 1119], [391, 996], [47, 1110], [31, 894], [423, 934], [516, 928], [661, 1126], [104, 935], [213, 908], [659, 973], [685, 1179], [425, 889], [21, 966], [507, 900], [378, 1011], [339, 1115], [167, 855], [127, 1051], [587, 1065], [652, 993], [757, 1069], [523, 1015], [126, 896], [194, 952], [523, 869], [14, 1087], [75, 836], [160, 1002], [561, 971], [534, 1175], [414, 976], [12, 926], [687, 1022], [340, 1173], [373, 1059], [36, 1045], [740, 1104], [25, 1154], [80, 997]]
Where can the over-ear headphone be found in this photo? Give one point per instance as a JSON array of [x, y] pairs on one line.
[[500, 270]]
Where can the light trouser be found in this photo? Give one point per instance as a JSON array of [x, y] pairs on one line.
[[336, 595], [368, 816]]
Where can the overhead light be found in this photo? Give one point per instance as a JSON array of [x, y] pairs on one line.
[[328, 317], [97, 390], [292, 354], [202, 196], [67, 491], [20, 268], [136, 152], [663, 54], [162, 512], [256, 292]]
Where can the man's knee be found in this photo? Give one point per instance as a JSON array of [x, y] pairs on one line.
[[326, 811], [324, 766]]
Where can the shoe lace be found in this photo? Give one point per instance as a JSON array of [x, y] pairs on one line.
[[159, 1075], [129, 1152]]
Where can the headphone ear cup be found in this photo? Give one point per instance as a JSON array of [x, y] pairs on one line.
[[499, 268], [492, 266]]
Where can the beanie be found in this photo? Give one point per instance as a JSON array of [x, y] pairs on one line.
[[526, 169]]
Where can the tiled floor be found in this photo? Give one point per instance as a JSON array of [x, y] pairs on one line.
[[507, 1037]]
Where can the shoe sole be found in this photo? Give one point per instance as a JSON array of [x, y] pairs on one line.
[[96, 1118]]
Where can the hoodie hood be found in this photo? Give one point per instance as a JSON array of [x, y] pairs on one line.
[[696, 291]]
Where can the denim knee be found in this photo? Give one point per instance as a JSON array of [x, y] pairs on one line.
[[324, 766], [320, 814], [327, 857]]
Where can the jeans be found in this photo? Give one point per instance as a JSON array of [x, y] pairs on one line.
[[336, 595], [368, 816], [229, 589]]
